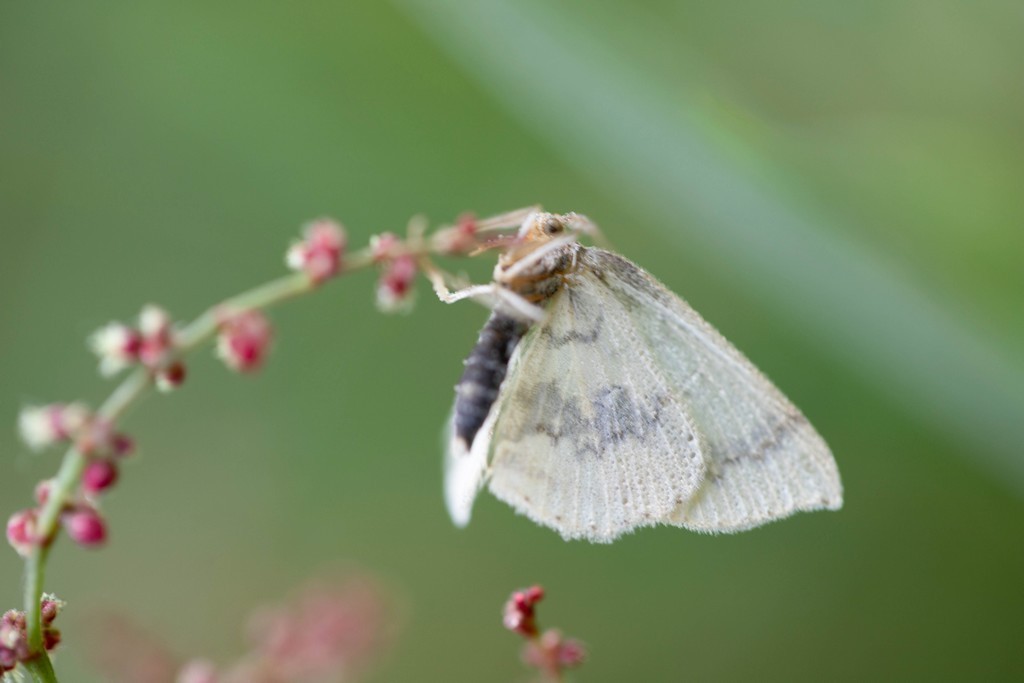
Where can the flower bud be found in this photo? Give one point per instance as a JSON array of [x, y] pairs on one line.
[[49, 607], [21, 532], [157, 338], [382, 244], [320, 251], [99, 475], [243, 341], [395, 288], [51, 638], [461, 238], [122, 445], [519, 611], [85, 526], [42, 426], [117, 346], [171, 377]]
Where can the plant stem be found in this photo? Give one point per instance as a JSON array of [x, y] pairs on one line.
[[39, 666], [127, 393], [41, 669]]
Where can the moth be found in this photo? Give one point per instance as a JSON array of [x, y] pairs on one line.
[[596, 401]]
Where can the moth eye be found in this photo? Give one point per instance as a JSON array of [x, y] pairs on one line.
[[553, 227]]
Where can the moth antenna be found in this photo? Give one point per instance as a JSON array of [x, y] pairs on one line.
[[582, 224], [496, 242], [506, 221]]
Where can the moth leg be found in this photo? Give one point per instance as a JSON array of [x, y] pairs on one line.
[[485, 294], [444, 282], [496, 297], [517, 306], [492, 295]]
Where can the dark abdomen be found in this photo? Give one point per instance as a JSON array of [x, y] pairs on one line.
[[486, 366]]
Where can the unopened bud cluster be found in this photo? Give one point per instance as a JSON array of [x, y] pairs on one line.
[[330, 632], [150, 344], [549, 652], [243, 340], [319, 253], [398, 270], [14, 646], [100, 445], [154, 346], [459, 239]]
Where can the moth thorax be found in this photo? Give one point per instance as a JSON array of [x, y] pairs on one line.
[[539, 273]]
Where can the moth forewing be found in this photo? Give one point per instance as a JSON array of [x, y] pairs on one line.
[[590, 439], [766, 461]]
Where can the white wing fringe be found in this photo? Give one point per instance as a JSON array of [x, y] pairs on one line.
[[465, 470]]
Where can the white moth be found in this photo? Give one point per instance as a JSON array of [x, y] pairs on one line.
[[597, 401]]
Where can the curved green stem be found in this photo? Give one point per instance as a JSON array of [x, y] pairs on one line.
[[137, 384], [41, 669], [39, 666], [134, 386]]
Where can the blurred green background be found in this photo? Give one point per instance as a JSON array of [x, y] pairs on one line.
[[837, 186]]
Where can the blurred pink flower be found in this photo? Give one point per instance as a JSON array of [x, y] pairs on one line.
[[519, 614], [329, 632], [244, 340], [320, 251], [42, 426], [395, 287], [125, 653], [550, 652]]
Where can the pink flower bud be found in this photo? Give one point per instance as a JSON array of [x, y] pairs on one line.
[[117, 346], [49, 608], [319, 253], [519, 614], [157, 339], [99, 438], [99, 475], [154, 321], [12, 633], [13, 617], [171, 377], [571, 653], [382, 245], [122, 445], [460, 238], [243, 341], [395, 288], [42, 426], [85, 526], [553, 653], [21, 532], [51, 638], [8, 660]]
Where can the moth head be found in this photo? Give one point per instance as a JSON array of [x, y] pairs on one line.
[[540, 227], [540, 233]]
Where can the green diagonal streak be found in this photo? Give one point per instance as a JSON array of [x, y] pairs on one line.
[[607, 121]]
